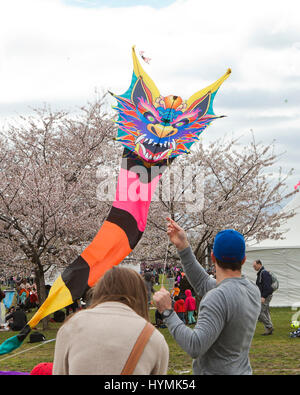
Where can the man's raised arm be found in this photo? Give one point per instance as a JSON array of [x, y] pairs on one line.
[[197, 276]]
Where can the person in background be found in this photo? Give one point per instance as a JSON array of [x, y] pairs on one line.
[[148, 278], [179, 308], [23, 295], [17, 319], [190, 306], [2, 295], [157, 278], [99, 339], [178, 276], [159, 320], [33, 298], [72, 308], [184, 285], [264, 283], [175, 291]]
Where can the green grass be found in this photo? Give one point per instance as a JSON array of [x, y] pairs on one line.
[[276, 354], [269, 355]]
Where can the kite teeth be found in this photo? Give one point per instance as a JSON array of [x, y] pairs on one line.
[[140, 138], [174, 145], [143, 149]]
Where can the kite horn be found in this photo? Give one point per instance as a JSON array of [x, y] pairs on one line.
[[211, 88], [140, 73]]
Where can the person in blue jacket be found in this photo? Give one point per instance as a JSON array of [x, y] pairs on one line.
[[264, 283]]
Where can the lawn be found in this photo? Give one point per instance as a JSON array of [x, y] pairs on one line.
[[270, 355]]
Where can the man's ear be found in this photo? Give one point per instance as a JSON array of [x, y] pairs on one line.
[[244, 260]]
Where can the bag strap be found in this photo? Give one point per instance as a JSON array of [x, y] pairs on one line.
[[260, 274], [138, 349]]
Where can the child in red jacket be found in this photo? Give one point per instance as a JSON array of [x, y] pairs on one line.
[[179, 308], [190, 306]]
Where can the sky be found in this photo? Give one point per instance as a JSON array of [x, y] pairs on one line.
[[59, 52]]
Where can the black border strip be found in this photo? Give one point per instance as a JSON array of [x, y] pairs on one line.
[[128, 223]]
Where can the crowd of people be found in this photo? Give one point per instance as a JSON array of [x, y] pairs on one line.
[[25, 298], [13, 275], [182, 294]]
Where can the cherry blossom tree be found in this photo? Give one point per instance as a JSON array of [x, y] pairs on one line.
[[49, 208], [239, 190]]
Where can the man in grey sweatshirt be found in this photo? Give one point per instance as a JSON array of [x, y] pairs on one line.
[[228, 311]]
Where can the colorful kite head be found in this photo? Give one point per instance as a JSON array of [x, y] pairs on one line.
[[156, 127]]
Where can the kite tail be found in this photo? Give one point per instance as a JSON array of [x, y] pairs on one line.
[[117, 237], [59, 297]]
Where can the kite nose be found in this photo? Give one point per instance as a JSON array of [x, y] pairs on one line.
[[161, 130]]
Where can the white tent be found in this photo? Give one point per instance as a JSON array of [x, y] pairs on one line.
[[282, 257]]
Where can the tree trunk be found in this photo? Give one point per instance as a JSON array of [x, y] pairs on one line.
[[41, 289]]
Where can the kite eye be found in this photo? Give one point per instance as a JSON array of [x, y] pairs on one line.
[[181, 123], [150, 117]]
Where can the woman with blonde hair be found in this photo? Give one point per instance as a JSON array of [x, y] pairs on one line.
[[100, 339]]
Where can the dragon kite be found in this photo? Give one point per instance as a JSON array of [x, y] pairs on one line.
[[154, 130]]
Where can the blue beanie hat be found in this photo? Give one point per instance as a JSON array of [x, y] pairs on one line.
[[229, 246]]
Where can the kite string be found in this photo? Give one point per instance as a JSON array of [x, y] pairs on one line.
[[168, 241], [28, 349], [165, 262], [168, 164]]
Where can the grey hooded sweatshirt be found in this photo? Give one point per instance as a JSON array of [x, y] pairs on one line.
[[227, 317]]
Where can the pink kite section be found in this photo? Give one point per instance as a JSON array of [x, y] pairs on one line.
[[134, 196]]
